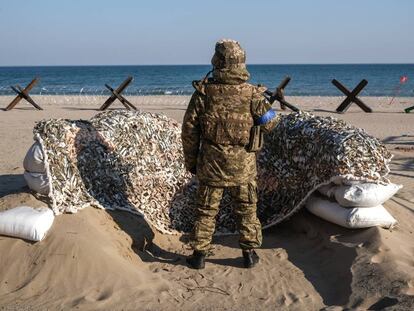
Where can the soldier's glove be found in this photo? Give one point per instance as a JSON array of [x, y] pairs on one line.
[[193, 170]]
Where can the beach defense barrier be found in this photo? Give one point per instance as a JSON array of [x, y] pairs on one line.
[[116, 94], [23, 93], [279, 95], [133, 161], [351, 97]]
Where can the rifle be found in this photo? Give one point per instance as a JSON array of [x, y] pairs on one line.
[[278, 95], [256, 139]]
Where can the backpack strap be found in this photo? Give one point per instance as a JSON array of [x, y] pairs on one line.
[[199, 85]]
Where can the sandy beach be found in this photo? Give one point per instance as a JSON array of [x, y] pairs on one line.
[[100, 260]]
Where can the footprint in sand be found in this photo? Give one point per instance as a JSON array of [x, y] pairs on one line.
[[98, 295], [378, 258], [410, 288], [288, 298], [94, 296], [281, 254]]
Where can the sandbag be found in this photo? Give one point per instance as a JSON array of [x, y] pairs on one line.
[[38, 182], [34, 161], [364, 194], [26, 222], [352, 218], [327, 190]]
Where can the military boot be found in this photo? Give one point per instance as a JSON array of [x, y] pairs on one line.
[[197, 260], [250, 258]]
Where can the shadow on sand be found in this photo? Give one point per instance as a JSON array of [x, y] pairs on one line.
[[405, 140], [402, 165], [323, 251], [10, 184], [113, 188]]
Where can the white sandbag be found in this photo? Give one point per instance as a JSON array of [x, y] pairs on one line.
[[364, 194], [26, 222], [38, 182], [34, 161], [353, 218], [347, 180]]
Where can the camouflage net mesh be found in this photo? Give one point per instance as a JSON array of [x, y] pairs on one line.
[[133, 161]]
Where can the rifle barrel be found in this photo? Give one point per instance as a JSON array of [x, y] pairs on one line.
[[272, 99], [290, 106], [285, 82]]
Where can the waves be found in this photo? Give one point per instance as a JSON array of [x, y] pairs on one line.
[[62, 90], [307, 80]]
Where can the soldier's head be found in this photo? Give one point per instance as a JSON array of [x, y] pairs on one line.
[[227, 54], [229, 62]]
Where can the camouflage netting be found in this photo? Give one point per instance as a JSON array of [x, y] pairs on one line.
[[133, 161], [304, 152]]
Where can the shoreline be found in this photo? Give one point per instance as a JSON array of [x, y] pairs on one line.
[[307, 102]]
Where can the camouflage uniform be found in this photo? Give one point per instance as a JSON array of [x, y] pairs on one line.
[[215, 133]]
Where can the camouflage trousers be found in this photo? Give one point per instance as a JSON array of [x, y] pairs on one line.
[[208, 201]]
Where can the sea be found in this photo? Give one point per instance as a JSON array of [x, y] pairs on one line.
[[306, 80]]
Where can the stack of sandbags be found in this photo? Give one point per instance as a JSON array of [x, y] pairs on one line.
[[354, 204], [35, 169]]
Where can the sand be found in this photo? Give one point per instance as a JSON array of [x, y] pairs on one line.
[[99, 260]]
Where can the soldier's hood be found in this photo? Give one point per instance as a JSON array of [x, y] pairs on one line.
[[235, 74], [229, 63]]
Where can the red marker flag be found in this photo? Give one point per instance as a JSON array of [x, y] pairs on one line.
[[403, 79]]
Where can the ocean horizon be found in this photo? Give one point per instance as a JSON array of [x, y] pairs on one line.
[[307, 79]]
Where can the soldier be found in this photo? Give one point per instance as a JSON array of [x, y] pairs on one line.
[[216, 133]]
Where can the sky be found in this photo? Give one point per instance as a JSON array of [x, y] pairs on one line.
[[128, 32]]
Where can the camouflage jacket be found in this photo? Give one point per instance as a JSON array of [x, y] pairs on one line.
[[216, 130]]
